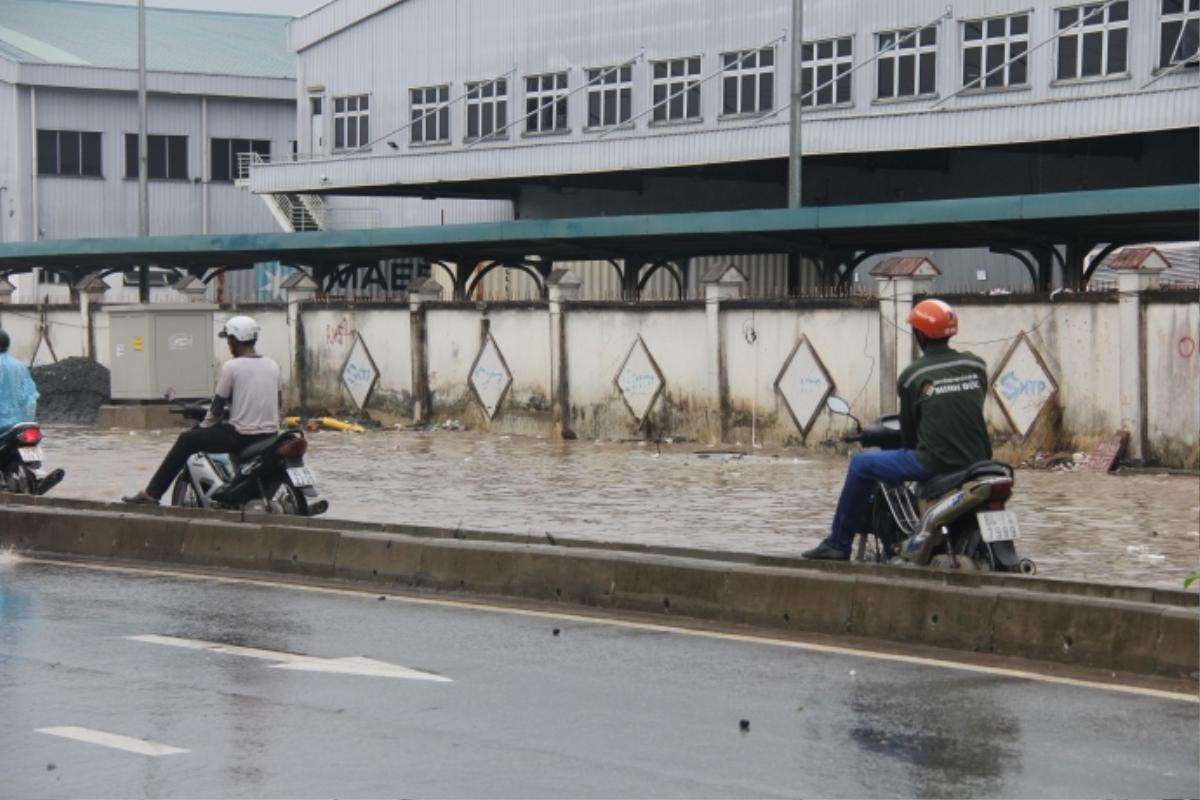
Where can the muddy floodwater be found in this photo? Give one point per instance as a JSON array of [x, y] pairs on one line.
[[1139, 529]]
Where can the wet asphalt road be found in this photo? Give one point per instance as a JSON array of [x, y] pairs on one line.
[[598, 711]]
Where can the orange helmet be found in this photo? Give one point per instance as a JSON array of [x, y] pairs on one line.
[[934, 318]]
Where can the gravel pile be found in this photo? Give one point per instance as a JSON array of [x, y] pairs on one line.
[[71, 391]]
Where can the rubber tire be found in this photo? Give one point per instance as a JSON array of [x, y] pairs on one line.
[[292, 497], [183, 494], [17, 482]]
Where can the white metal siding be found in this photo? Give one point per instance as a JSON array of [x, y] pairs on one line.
[[430, 42]]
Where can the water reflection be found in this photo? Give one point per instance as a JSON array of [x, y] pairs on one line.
[[1076, 525]]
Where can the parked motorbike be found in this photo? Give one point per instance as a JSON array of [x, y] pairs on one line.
[[957, 520], [269, 475], [21, 470]]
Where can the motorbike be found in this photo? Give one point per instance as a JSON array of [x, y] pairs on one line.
[[269, 475], [956, 521], [21, 470]]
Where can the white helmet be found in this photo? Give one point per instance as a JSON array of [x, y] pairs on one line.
[[241, 329]]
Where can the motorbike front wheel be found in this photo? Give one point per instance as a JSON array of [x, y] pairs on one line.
[[184, 494]]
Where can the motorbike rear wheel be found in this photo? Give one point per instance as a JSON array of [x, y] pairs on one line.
[[18, 480], [288, 500]]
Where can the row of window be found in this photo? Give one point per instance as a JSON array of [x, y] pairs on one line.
[[78, 153], [1092, 41]]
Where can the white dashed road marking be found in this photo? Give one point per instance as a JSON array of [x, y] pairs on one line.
[[351, 665], [113, 740]]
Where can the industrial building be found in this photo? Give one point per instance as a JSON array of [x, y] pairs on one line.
[[635, 107]]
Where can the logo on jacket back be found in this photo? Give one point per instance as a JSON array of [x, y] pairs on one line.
[[952, 385]]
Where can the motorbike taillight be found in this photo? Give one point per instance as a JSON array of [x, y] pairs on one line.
[[293, 448], [29, 437], [998, 492]]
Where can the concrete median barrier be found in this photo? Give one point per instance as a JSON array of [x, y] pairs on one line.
[[1149, 634]]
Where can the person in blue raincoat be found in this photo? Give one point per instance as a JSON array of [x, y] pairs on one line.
[[18, 393]]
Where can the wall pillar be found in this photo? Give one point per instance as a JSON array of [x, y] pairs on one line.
[[299, 289], [721, 283], [1131, 282], [562, 287], [91, 293], [898, 281], [427, 291]]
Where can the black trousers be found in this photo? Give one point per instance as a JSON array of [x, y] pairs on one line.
[[220, 438]]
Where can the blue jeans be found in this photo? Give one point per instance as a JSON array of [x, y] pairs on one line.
[[867, 469]]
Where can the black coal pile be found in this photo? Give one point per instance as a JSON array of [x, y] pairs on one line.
[[72, 391]]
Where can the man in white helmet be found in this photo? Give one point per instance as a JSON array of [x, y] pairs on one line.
[[248, 387]]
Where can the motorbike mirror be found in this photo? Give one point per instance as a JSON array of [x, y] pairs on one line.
[[837, 405], [169, 394]]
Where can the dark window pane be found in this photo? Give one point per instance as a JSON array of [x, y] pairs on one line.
[[886, 40], [908, 40], [972, 65], [886, 77], [1093, 15], [501, 113], [929, 37], [660, 69], [660, 108], [729, 60], [677, 69], [262, 147], [221, 160], [843, 86], [995, 57], [502, 86], [364, 130], [531, 84], [1118, 12], [472, 122], [561, 81], [1018, 72], [315, 106], [68, 152], [1067, 17], [907, 74], [806, 85], [418, 125], [158, 157], [1172, 6], [928, 73], [1067, 52], [131, 155], [177, 161], [995, 27], [1093, 51], [91, 154], [729, 96], [602, 109], [1168, 43], [693, 66], [747, 93], [1117, 41], [1019, 25], [675, 107], [766, 91], [626, 105], [825, 50], [443, 124], [362, 102], [1190, 43], [806, 52], [766, 57], [972, 31], [47, 145], [339, 105], [693, 101], [339, 132], [844, 47]]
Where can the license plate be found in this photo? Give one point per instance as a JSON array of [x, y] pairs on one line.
[[30, 454], [998, 526], [301, 476]]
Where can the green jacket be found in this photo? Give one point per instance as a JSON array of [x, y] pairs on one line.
[[941, 409]]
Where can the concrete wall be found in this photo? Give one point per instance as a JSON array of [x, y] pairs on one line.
[[1173, 384]]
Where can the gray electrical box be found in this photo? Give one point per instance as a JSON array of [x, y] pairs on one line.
[[153, 348]]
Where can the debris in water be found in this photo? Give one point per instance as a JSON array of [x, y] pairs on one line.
[[744, 725], [556, 631]]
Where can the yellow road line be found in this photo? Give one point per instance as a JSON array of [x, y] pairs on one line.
[[644, 626]]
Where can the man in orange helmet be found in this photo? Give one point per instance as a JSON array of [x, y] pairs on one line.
[[941, 419]]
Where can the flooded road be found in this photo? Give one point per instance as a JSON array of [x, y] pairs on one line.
[[1134, 529]]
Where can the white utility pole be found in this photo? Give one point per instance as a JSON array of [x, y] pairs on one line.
[[794, 149], [143, 157]]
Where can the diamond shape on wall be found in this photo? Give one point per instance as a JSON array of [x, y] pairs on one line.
[[359, 373], [639, 380], [490, 377], [1023, 385], [804, 383]]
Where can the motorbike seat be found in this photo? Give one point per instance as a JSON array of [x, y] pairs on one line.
[[258, 448], [948, 482]]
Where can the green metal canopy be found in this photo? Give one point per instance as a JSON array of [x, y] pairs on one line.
[[1078, 220]]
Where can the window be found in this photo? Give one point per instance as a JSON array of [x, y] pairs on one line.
[[822, 62], [350, 125], [167, 157], [1096, 45], [546, 103], [990, 43], [68, 153], [1180, 33], [610, 96], [487, 108], [226, 166], [430, 114], [908, 64], [676, 89], [748, 81]]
